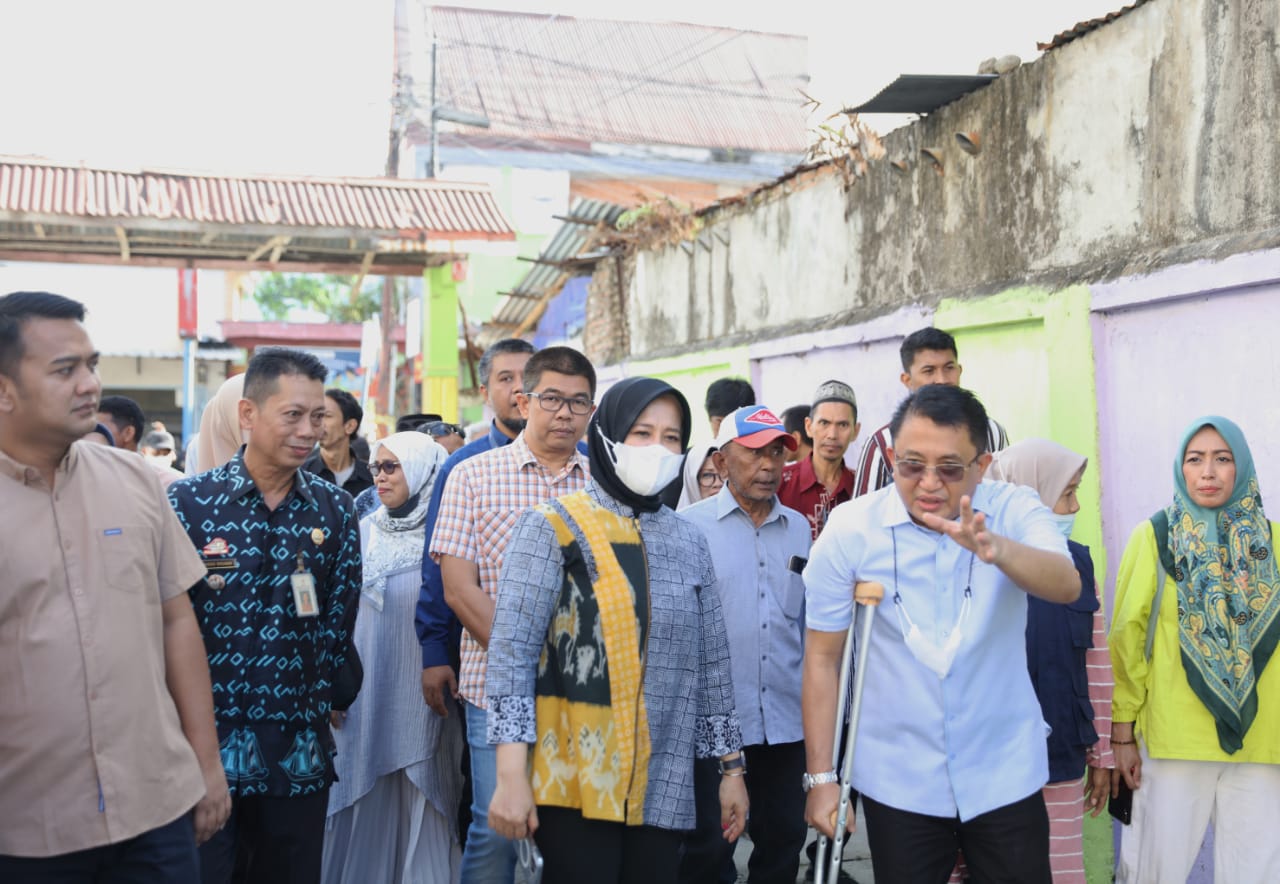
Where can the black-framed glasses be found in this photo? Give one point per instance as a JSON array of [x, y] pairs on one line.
[[709, 479], [383, 466], [553, 401], [951, 473]]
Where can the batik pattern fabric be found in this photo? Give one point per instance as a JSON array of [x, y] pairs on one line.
[[272, 669], [589, 691], [1228, 605]]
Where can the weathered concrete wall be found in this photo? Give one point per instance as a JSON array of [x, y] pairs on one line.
[[1144, 143]]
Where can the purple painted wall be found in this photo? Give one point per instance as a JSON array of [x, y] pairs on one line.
[[786, 371], [1170, 347]]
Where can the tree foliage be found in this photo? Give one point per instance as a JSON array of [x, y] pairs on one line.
[[278, 295]]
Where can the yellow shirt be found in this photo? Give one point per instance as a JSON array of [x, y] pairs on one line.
[[1155, 694]]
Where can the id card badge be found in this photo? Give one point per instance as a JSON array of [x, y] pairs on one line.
[[304, 590], [304, 594]]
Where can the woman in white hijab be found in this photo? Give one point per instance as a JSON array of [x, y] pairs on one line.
[[393, 809], [701, 479]]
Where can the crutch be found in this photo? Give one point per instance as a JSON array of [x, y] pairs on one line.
[[868, 594]]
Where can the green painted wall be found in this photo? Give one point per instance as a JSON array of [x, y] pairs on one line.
[[1028, 353], [692, 373]]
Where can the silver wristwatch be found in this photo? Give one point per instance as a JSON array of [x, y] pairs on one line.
[[818, 779]]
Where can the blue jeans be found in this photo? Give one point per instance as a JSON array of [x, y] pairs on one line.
[[488, 857]]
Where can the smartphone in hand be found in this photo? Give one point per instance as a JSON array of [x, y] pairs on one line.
[[530, 860], [1121, 806]]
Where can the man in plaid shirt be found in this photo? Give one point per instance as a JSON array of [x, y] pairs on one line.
[[482, 499]]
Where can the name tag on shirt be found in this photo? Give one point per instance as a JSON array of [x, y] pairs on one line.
[[304, 594]]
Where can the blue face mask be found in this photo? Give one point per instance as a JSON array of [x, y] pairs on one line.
[[1065, 523]]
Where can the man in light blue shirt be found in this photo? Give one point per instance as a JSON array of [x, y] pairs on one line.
[[950, 746], [758, 546]]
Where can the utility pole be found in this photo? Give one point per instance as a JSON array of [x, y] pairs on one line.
[[387, 318]]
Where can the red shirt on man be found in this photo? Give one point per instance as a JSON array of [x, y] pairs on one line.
[[804, 492]]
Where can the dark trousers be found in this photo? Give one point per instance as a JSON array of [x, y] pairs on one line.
[[582, 851], [464, 801], [164, 855], [268, 841], [1008, 845], [706, 857], [775, 821]]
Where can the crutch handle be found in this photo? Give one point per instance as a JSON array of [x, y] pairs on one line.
[[868, 592]]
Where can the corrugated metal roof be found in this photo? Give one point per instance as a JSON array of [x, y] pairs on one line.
[[520, 308], [1085, 27], [922, 93], [390, 208], [619, 167], [579, 79]]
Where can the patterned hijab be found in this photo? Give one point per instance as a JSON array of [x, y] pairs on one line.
[[395, 542], [1228, 589]]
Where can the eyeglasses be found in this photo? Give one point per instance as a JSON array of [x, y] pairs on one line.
[[551, 402], [951, 473], [383, 466], [709, 479]]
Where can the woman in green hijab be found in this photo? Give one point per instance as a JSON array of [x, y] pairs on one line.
[[1196, 712]]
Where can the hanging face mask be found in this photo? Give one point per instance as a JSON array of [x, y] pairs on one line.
[[938, 657], [645, 469], [1065, 523]]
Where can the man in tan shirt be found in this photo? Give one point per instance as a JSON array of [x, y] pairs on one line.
[[107, 740]]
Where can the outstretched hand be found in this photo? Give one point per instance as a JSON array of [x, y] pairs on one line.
[[969, 531]]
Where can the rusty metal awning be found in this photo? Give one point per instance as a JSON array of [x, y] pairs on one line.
[[922, 93], [571, 251], [76, 214]]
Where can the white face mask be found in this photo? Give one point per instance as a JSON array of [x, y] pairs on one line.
[[160, 460], [645, 469], [938, 657], [1065, 523]]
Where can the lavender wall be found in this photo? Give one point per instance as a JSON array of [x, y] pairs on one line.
[[786, 371], [1194, 340]]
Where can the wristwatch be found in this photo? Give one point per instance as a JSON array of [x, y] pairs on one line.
[[738, 764], [818, 779]]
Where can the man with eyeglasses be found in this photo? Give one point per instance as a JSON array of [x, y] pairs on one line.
[[950, 745], [929, 356], [480, 502], [501, 371]]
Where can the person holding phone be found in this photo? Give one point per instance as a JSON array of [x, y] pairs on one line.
[[609, 656], [1196, 715]]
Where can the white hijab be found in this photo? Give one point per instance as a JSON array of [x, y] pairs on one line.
[[393, 544], [691, 492]]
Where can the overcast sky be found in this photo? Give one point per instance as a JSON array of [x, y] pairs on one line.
[[288, 86]]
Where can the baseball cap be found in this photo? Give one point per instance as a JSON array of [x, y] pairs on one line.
[[158, 439], [753, 426], [835, 391]]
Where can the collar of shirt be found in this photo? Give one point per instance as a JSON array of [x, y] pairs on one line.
[[28, 475], [726, 503], [497, 438], [806, 478], [239, 482], [524, 457]]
